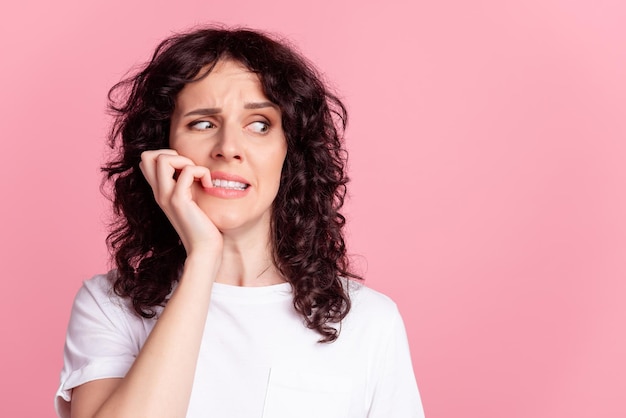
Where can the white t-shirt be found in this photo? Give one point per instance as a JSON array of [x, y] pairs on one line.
[[257, 359]]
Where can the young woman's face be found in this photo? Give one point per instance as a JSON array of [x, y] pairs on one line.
[[225, 123]]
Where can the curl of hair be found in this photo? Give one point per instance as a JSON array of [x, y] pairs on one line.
[[306, 224]]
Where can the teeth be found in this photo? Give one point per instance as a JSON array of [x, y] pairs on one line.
[[227, 184]]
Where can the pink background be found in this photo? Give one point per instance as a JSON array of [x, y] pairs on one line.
[[487, 143]]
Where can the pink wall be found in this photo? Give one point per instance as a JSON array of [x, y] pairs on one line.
[[487, 155]]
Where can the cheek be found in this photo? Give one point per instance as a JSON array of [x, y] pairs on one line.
[[280, 163], [171, 138], [174, 143], [273, 173], [180, 141], [186, 149]]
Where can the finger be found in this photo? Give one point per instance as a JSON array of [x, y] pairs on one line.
[[147, 165], [206, 180], [188, 175], [166, 167]]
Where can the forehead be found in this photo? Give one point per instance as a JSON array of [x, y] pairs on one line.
[[226, 68], [226, 78]]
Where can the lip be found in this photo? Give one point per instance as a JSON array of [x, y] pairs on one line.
[[226, 193]]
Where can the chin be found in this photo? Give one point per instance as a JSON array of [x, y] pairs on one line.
[[234, 222], [226, 221]]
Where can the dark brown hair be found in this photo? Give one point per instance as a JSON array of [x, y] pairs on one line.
[[307, 238]]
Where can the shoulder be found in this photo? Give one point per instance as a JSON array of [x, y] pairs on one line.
[[370, 306], [362, 296], [96, 297], [99, 289], [101, 314], [99, 286]]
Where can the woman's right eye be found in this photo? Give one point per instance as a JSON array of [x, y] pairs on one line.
[[201, 125]]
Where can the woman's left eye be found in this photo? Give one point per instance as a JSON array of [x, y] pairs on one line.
[[259, 127], [201, 125]]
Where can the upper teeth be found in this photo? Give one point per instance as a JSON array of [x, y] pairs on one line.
[[228, 184]]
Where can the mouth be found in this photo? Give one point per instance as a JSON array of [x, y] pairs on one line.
[[229, 184]]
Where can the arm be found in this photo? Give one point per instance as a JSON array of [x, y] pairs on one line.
[[159, 382], [396, 393]]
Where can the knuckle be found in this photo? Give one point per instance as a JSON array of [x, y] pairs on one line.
[[160, 158], [160, 200], [189, 167]]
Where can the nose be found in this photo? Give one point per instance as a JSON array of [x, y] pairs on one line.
[[228, 146]]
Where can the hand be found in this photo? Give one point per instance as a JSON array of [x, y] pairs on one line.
[[174, 196]]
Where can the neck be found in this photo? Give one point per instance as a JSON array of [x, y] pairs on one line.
[[248, 262]]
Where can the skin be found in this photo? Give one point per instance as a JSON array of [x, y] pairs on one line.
[[227, 239]]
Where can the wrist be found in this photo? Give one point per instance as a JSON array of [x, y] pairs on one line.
[[205, 263]]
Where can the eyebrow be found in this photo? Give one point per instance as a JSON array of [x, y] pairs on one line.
[[259, 105], [214, 110]]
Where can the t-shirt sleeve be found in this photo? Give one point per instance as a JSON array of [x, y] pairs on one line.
[[98, 343], [396, 393]]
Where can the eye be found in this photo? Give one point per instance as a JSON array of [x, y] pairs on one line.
[[201, 125], [259, 127]]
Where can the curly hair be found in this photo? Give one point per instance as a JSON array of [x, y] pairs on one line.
[[306, 224]]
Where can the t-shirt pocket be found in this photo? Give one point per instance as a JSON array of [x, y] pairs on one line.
[[306, 394]]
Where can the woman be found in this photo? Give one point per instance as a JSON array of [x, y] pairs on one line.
[[231, 295]]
